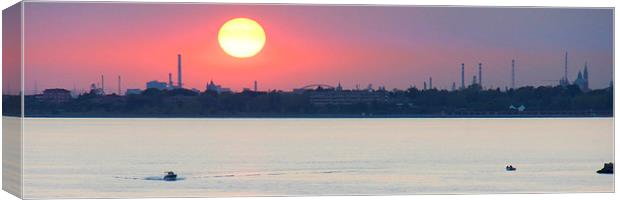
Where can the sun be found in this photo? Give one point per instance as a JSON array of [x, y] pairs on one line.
[[241, 37]]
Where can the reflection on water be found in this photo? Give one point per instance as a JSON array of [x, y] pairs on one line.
[[274, 157]]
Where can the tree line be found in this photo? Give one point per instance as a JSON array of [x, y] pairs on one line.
[[543, 100]]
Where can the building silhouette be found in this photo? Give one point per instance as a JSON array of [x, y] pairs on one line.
[[96, 90], [131, 91], [582, 79], [55, 95], [212, 87], [156, 85], [453, 86]]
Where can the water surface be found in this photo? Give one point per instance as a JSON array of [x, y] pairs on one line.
[[92, 158]]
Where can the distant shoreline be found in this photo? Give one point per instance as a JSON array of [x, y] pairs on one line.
[[328, 116]]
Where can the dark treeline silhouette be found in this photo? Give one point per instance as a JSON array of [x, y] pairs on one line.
[[11, 105], [536, 101]]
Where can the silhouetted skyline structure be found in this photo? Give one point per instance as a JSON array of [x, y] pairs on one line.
[[566, 66], [119, 86], [567, 99], [480, 74], [513, 75], [582, 80], [102, 85], [326, 101], [462, 76], [180, 79], [430, 83]]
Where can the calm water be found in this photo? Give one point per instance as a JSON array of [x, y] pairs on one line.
[[266, 157]]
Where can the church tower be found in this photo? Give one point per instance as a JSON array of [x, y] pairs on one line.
[[585, 77], [582, 79]]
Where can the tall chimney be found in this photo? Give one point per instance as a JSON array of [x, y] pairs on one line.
[[462, 75], [119, 85], [102, 88], [430, 83], [566, 67], [513, 74], [180, 79], [170, 81], [480, 74], [255, 86]]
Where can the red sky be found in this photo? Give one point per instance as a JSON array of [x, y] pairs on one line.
[[69, 44]]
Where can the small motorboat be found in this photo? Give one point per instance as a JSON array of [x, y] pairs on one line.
[[170, 176], [608, 168], [510, 168]]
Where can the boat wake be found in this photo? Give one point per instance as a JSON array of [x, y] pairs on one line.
[[159, 178], [148, 178], [230, 175]]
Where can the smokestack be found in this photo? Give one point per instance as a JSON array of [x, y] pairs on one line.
[[170, 81], [462, 75], [480, 74], [566, 67], [255, 86], [430, 83], [180, 81], [513, 74], [119, 85], [102, 88]]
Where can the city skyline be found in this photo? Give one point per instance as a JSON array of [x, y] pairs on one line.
[[172, 84], [350, 45]]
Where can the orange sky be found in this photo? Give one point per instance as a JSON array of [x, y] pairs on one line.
[[73, 44]]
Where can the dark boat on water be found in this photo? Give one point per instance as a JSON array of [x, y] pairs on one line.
[[608, 168], [510, 168], [170, 176]]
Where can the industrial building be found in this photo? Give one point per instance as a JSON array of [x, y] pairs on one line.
[[156, 85], [212, 87], [133, 91], [170, 85], [55, 95]]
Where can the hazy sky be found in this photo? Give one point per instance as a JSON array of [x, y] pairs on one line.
[[69, 44]]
